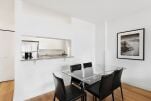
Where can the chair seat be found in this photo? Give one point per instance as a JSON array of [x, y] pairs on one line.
[[94, 89], [116, 85], [73, 93]]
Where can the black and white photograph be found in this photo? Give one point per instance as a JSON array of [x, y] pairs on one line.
[[131, 44]]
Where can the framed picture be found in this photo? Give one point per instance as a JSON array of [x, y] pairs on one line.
[[130, 44]]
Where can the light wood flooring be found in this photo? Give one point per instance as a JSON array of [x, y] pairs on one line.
[[130, 94], [6, 90]]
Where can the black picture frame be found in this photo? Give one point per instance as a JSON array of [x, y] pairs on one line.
[[131, 44]]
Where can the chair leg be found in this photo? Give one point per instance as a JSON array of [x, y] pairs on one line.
[[85, 98], [54, 98], [82, 98], [95, 98], [122, 93], [113, 96]]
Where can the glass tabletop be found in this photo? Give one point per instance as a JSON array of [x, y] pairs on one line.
[[92, 74]]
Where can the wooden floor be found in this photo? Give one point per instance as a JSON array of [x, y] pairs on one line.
[[6, 91], [130, 94]]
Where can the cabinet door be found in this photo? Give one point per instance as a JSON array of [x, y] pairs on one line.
[[7, 47]]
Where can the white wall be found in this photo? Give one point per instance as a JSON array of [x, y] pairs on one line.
[[35, 78], [7, 14], [6, 56], [138, 73], [6, 40], [100, 44]]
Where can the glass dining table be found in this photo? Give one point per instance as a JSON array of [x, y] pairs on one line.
[[91, 75]]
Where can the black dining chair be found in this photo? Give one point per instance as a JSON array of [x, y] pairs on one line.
[[87, 65], [117, 81], [74, 68], [102, 88], [68, 93]]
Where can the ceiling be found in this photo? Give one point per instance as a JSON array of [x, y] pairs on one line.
[[95, 10]]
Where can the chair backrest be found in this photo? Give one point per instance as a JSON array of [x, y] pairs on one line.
[[59, 88], [106, 85], [117, 78], [86, 65], [75, 67]]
